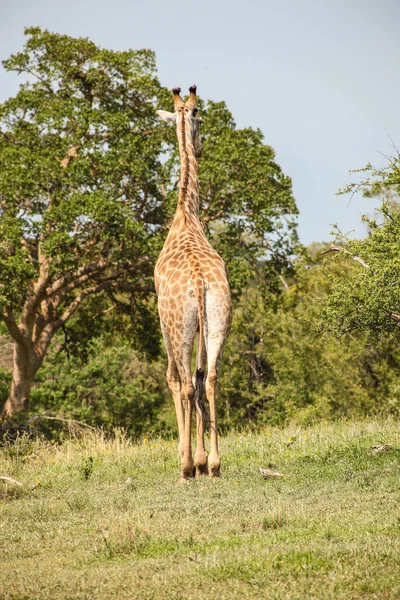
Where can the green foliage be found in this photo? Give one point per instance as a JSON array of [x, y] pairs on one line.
[[280, 364], [81, 172], [110, 388], [370, 300], [94, 110], [87, 467], [246, 200]]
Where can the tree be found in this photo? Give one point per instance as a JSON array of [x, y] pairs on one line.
[[88, 179], [370, 300], [80, 181]]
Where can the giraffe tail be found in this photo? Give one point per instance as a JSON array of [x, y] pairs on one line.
[[201, 354], [199, 392]]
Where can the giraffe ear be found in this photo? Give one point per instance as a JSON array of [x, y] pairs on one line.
[[167, 116]]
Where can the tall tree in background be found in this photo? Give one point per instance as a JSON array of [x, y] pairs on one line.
[[87, 188], [80, 178]]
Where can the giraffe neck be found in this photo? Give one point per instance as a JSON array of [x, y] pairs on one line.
[[188, 202]]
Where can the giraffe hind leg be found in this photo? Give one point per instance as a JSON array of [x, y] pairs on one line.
[[218, 325], [183, 350], [212, 390]]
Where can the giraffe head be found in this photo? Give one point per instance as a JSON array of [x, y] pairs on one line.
[[186, 115]]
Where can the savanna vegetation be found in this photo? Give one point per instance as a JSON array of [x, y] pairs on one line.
[[106, 518], [90, 506], [87, 187]]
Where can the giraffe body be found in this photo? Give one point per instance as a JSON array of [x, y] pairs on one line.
[[193, 298]]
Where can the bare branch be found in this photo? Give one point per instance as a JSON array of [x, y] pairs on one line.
[[284, 283], [33, 301], [50, 329], [395, 317], [358, 259], [78, 300], [206, 218], [70, 422]]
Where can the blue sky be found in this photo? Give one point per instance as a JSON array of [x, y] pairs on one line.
[[320, 79]]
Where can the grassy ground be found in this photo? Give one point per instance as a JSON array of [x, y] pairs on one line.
[[99, 519]]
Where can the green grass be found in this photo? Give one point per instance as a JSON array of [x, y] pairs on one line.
[[98, 519]]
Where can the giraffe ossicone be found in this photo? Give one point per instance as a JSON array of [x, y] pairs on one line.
[[194, 301]]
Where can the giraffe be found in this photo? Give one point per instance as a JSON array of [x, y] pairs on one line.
[[193, 297]]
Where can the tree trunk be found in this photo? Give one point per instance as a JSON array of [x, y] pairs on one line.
[[22, 378]]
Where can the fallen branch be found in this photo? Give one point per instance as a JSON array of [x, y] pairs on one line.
[[10, 480], [70, 422], [270, 473]]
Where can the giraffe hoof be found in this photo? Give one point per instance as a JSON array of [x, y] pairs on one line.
[[214, 465], [201, 470], [188, 472], [215, 472]]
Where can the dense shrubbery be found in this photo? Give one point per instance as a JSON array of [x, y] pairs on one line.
[[109, 388], [281, 364]]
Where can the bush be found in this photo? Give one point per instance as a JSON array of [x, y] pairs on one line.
[[111, 388]]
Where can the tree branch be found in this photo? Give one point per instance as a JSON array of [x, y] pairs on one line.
[[358, 259], [12, 326], [33, 301], [50, 329], [80, 277], [70, 422], [284, 283], [78, 300], [130, 287], [10, 480]]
